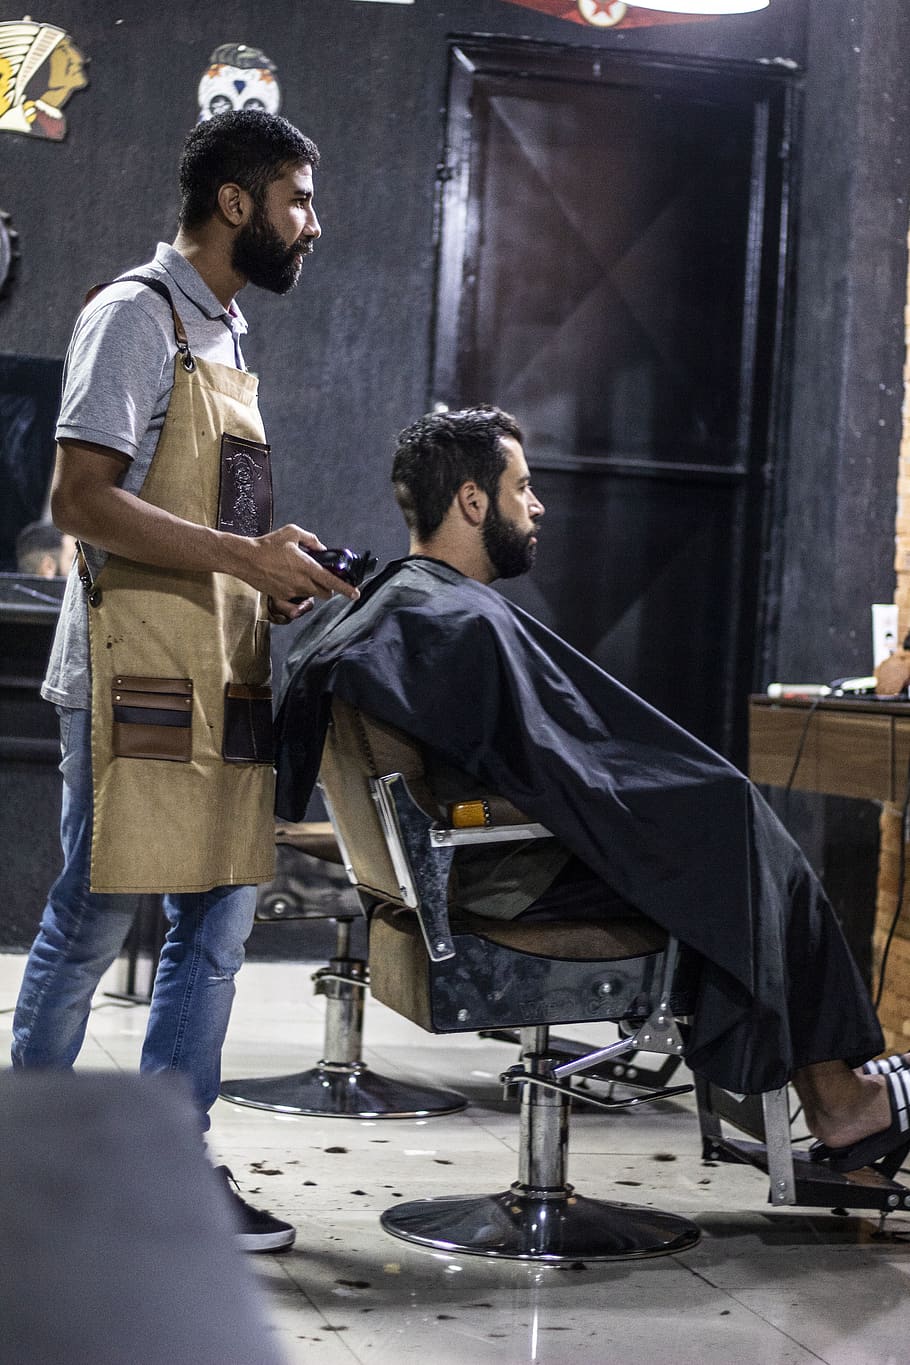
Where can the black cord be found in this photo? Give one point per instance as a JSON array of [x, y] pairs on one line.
[[802, 744], [902, 867], [901, 880], [901, 886], [787, 789]]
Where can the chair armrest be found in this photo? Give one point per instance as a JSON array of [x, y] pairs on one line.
[[483, 811], [314, 837], [445, 837]]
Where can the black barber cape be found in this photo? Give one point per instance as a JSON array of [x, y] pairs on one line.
[[674, 828]]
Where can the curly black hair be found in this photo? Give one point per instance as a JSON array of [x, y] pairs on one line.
[[441, 451], [247, 147]]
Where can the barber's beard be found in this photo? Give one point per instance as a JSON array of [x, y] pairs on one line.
[[263, 257], [509, 550]]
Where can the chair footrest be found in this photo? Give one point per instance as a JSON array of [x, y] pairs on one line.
[[817, 1185]]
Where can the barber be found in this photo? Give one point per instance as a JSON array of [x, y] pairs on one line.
[[160, 666]]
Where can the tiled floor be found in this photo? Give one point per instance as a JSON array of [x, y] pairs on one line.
[[772, 1287]]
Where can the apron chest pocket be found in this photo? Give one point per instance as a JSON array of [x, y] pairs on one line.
[[153, 718], [248, 732]]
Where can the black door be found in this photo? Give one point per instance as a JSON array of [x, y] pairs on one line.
[[611, 270]]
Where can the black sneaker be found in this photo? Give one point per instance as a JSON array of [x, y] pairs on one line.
[[256, 1229]]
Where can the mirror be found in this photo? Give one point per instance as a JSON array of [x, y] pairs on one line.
[[29, 402]]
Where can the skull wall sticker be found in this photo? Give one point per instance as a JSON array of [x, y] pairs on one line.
[[238, 77]]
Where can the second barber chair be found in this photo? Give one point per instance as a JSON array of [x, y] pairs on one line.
[[310, 884]]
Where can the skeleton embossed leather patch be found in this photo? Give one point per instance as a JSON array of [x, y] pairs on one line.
[[245, 494]]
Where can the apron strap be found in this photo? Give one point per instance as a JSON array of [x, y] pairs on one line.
[[160, 288], [85, 576], [183, 346]]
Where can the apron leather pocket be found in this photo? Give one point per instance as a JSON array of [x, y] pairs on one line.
[[153, 718], [248, 732]]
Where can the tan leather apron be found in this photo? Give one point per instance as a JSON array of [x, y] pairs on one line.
[[181, 712]]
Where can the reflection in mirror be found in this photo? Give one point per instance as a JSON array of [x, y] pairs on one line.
[[44, 551], [29, 402], [33, 555], [29, 606]]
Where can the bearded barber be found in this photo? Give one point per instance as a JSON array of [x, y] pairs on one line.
[[160, 666]]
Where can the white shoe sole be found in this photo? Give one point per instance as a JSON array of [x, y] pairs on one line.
[[265, 1241]]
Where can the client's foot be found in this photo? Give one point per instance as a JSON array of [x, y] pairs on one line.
[[885, 1146], [867, 1111], [256, 1230]]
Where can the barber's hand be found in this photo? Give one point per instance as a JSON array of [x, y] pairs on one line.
[[281, 568]]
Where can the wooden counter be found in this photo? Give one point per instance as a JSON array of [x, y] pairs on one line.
[[853, 748]]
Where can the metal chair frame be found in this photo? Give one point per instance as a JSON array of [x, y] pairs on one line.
[[540, 1217]]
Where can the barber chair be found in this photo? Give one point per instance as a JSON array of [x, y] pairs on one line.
[[505, 977], [341, 1084], [478, 973]]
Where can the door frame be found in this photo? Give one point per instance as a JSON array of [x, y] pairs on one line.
[[757, 474]]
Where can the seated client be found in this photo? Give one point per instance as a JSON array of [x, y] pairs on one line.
[[643, 814]]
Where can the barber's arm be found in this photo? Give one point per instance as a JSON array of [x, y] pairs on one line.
[[88, 502]]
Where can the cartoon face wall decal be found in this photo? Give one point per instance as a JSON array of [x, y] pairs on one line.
[[40, 68], [238, 77]]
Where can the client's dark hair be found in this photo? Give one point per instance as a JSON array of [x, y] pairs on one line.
[[441, 451], [247, 147]]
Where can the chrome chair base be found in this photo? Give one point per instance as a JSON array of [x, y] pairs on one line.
[[344, 1092], [521, 1225]]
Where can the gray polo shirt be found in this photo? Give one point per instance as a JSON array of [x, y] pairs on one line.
[[117, 383]]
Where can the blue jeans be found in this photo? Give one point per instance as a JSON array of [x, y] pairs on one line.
[[82, 932]]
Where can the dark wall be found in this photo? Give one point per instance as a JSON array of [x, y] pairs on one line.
[[836, 540], [345, 359]]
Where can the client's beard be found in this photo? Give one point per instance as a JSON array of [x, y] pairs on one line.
[[509, 550]]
